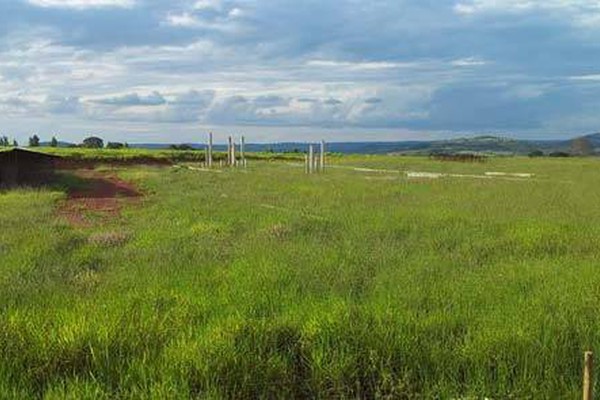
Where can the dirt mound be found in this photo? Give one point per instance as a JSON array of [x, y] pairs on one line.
[[100, 198], [71, 163]]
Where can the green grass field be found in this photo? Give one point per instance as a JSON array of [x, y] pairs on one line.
[[269, 283], [140, 155]]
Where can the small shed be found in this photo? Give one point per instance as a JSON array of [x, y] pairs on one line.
[[19, 166]]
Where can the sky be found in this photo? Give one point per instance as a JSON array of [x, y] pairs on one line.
[[298, 70]]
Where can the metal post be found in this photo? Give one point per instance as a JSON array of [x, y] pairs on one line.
[[242, 152], [306, 169], [588, 376], [311, 159], [210, 150], [233, 160], [229, 145], [322, 158]]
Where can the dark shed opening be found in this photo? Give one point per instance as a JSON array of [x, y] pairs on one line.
[[19, 166]]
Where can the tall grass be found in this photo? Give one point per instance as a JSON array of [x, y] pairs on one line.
[[271, 283], [152, 156]]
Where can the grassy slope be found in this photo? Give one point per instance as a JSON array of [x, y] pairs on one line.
[[277, 284], [109, 155]]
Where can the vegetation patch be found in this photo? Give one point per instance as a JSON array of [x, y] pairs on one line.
[[94, 196], [273, 283]]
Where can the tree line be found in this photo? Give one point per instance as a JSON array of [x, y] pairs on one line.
[[91, 142], [4, 142], [34, 141], [580, 146]]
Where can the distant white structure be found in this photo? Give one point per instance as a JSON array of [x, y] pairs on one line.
[[232, 158], [311, 162]]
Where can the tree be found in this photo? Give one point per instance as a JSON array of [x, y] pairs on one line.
[[559, 154], [181, 147], [582, 146], [93, 142], [34, 141], [15, 143], [536, 153], [114, 145], [54, 142], [4, 141]]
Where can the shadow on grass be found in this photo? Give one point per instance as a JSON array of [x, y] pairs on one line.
[[91, 185]]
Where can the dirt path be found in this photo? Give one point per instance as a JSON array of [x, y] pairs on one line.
[[101, 196]]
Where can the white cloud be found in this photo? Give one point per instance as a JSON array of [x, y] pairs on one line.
[[480, 6], [133, 99], [589, 78], [82, 4], [235, 13], [137, 84], [583, 14], [465, 9], [62, 104], [208, 5], [578, 7], [185, 20], [223, 22], [468, 62], [249, 62], [360, 65]]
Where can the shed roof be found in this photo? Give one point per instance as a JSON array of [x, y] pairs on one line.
[[18, 154]]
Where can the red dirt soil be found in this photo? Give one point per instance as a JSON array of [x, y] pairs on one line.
[[103, 195]]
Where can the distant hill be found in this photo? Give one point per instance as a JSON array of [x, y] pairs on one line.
[[594, 139], [499, 145], [336, 147], [480, 144], [415, 146]]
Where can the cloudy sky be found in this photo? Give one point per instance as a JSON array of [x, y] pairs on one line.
[[277, 70]]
